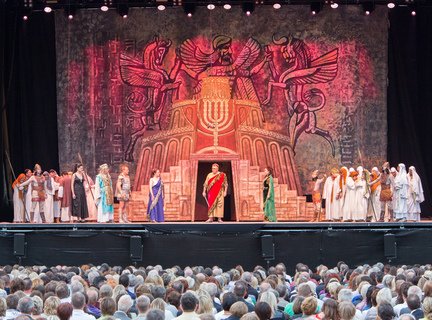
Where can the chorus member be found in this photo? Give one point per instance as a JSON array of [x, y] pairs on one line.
[[89, 187], [49, 200], [79, 201], [316, 193], [415, 195], [104, 197], [342, 180], [401, 194], [215, 189], [65, 196], [155, 208], [393, 174], [362, 196], [386, 193], [56, 200], [123, 191], [268, 196], [19, 196], [37, 189], [375, 191], [349, 206], [331, 194]]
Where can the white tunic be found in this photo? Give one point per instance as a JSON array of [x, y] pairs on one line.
[[349, 200], [415, 196], [330, 194], [400, 208], [362, 196], [18, 206]]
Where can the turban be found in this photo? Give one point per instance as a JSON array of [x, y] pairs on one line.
[[220, 41]]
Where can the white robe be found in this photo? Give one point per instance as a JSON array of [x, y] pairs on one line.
[[330, 193], [19, 209], [362, 196], [415, 197], [91, 206], [349, 199], [375, 203], [49, 201], [400, 208]]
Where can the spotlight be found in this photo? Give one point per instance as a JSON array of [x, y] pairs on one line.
[[189, 9], [123, 10], [368, 7], [161, 7], [25, 17], [315, 7], [413, 10], [413, 13], [227, 6], [391, 5], [211, 6], [47, 9], [277, 6], [248, 7], [104, 8], [334, 5], [70, 12]]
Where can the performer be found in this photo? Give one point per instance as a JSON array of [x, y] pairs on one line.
[[49, 199], [19, 196], [375, 192], [386, 194], [343, 175], [89, 187], [316, 194], [401, 194], [349, 203], [56, 200], [268, 196], [155, 208], [331, 196], [415, 195], [65, 196], [104, 197], [79, 201], [123, 191], [393, 174], [37, 185], [215, 189], [362, 196]]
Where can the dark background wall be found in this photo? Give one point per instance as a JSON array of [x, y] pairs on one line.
[[28, 95]]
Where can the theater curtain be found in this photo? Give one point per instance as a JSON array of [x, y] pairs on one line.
[[28, 84], [410, 95]]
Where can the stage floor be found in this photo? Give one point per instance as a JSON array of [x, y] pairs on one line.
[[225, 244]]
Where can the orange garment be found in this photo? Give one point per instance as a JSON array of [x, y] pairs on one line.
[[342, 180], [374, 176], [20, 179]]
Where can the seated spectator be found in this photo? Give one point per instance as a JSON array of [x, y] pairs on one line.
[[107, 307], [386, 312], [270, 298], [309, 308], [240, 290], [188, 304], [414, 307], [155, 314], [228, 299], [50, 308], [142, 304], [62, 292], [160, 304], [92, 300], [238, 310], [263, 310], [3, 308], [38, 307], [64, 311], [124, 305], [250, 316], [78, 304], [25, 306], [12, 305], [347, 310], [329, 310]]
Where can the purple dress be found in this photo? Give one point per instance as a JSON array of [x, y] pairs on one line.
[[155, 210]]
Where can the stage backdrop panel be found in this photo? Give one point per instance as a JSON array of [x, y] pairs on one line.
[[307, 92]]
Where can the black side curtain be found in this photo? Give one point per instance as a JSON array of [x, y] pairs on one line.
[[28, 84], [410, 94]]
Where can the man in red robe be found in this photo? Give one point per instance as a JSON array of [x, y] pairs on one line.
[[215, 189]]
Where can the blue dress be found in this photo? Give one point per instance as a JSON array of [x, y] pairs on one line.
[[155, 209]]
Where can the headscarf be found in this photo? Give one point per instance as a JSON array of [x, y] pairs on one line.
[[401, 177], [416, 185], [360, 171], [48, 180]]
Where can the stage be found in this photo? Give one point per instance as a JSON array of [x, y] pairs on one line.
[[225, 244]]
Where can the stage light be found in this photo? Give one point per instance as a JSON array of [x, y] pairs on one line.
[[315, 7], [413, 13], [104, 8], [412, 9], [189, 9], [248, 7], [25, 18], [227, 6], [47, 9], [70, 12], [123, 10], [161, 7], [391, 5], [368, 7], [211, 6], [277, 6], [334, 5]]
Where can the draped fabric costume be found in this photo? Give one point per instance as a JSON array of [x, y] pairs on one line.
[[400, 208], [125, 188], [350, 198], [415, 196], [215, 186], [89, 187], [65, 193], [104, 198], [268, 198], [50, 189], [155, 208], [332, 198], [18, 198], [79, 204], [386, 195], [375, 190], [37, 195]]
